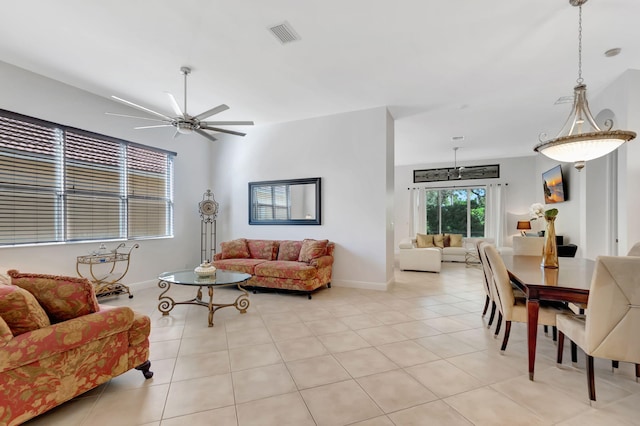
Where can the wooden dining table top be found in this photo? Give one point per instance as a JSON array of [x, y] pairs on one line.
[[572, 276]]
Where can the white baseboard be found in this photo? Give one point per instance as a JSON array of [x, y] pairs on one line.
[[364, 285], [142, 285]]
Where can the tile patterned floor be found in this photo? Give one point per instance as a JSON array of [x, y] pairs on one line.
[[418, 354]]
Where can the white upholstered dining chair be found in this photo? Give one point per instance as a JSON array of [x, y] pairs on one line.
[[610, 327], [513, 308]]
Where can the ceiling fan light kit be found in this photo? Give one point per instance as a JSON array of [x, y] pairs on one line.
[[573, 143], [183, 122]]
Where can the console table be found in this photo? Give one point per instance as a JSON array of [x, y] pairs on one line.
[[105, 270]]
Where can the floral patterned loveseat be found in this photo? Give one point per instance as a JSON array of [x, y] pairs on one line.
[[279, 264], [57, 342]]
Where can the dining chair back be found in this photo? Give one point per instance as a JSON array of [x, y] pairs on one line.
[[635, 250], [613, 318], [610, 329], [487, 280], [503, 292]]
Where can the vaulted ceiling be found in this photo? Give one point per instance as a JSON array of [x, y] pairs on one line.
[[488, 71]]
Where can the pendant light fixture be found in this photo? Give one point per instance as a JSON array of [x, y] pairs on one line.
[[456, 173], [580, 139]]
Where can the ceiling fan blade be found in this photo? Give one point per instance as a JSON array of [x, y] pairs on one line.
[[134, 116], [227, 123], [174, 105], [152, 127], [211, 112], [206, 135], [141, 108], [217, 129]]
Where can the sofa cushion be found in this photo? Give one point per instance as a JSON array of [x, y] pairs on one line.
[[63, 298], [438, 240], [312, 249], [286, 269], [455, 240], [289, 250], [239, 265], [263, 249], [424, 241], [446, 239], [20, 310], [235, 249]]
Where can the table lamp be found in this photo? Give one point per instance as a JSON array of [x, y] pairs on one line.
[[523, 226]]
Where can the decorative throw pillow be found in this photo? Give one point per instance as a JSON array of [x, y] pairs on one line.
[[63, 298], [312, 249], [236, 249], [5, 331], [438, 240], [289, 250], [262, 249], [424, 241], [20, 310], [447, 240], [456, 240]]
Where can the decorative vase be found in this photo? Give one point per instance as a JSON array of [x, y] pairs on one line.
[[550, 249], [205, 269]]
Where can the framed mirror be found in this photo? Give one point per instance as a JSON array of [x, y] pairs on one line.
[[285, 202]]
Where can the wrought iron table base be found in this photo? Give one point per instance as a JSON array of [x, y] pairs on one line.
[[167, 303]]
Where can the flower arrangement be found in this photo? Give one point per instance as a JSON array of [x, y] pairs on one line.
[[537, 211]]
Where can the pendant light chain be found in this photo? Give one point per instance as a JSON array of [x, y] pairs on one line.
[[580, 80]]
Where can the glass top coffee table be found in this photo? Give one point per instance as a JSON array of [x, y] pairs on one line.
[[189, 278]]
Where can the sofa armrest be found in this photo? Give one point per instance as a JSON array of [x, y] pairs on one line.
[[406, 243], [217, 256], [45, 342], [322, 261]]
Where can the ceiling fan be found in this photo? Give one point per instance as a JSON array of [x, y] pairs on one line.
[[183, 122]]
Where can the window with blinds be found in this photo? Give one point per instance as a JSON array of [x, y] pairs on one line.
[[272, 202], [60, 184]]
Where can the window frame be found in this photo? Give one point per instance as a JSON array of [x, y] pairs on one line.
[[75, 166], [468, 189]]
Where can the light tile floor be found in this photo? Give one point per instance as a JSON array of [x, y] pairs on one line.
[[418, 354]]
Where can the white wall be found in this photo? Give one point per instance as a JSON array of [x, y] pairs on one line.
[[350, 153], [31, 94], [623, 98]]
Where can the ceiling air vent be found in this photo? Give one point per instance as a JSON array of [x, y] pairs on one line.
[[284, 32]]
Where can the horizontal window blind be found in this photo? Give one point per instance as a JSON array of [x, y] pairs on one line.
[[61, 184], [93, 187], [149, 189], [30, 184], [272, 202]]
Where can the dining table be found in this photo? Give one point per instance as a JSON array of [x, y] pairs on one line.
[[569, 282]]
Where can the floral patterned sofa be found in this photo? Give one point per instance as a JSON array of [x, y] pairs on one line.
[[57, 342], [279, 264]]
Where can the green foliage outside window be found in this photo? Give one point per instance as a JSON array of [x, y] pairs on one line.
[[450, 210]]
